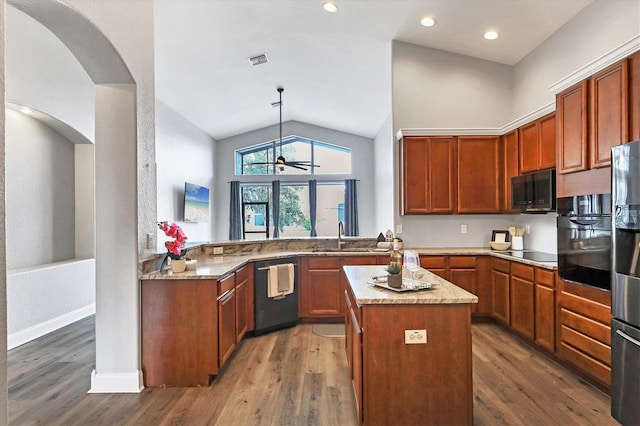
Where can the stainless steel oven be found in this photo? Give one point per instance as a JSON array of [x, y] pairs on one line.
[[584, 239]]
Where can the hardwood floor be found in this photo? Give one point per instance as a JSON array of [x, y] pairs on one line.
[[290, 377]]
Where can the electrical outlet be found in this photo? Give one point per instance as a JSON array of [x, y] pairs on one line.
[[527, 229], [149, 241], [398, 229], [463, 229], [218, 250], [415, 337]]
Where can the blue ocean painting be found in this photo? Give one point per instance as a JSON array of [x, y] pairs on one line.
[[196, 203]]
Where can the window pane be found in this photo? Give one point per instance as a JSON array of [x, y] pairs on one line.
[[330, 198], [297, 150], [332, 159], [250, 160]]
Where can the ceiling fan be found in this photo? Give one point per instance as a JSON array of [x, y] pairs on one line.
[[281, 162]]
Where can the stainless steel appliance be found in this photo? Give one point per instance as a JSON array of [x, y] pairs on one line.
[[534, 192], [584, 239], [273, 313], [625, 291]]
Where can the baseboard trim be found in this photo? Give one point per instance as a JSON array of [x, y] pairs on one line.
[[117, 382], [28, 334]]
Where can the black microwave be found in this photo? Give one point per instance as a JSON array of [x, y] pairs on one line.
[[534, 192]]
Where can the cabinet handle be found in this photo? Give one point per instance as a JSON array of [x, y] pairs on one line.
[[227, 296], [627, 337]]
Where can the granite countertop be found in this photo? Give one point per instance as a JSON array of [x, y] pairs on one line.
[[443, 292], [215, 267]]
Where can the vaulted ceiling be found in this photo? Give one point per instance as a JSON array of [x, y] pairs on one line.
[[335, 67]]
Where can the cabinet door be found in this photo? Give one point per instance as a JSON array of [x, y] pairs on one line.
[[348, 332], [528, 139], [436, 265], [478, 174], [608, 113], [441, 182], [500, 296], [226, 325], [320, 291], [242, 324], [415, 175], [571, 116], [545, 316], [547, 142], [466, 279], [356, 365], [510, 167], [634, 97], [522, 306]]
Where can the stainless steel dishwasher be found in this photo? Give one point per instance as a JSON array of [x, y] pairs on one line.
[[274, 313]]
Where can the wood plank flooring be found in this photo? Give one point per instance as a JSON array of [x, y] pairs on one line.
[[290, 377]]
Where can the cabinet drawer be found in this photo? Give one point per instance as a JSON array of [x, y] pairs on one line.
[[588, 327], [545, 278], [226, 284], [500, 265], [435, 262], [318, 262], [242, 274], [583, 361], [586, 307], [522, 271], [587, 345], [462, 262]]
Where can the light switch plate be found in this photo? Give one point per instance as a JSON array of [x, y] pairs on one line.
[[398, 229], [414, 337], [463, 229], [218, 250]]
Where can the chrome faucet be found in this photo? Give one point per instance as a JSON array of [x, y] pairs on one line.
[[340, 234]]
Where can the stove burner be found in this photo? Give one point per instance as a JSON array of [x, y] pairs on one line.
[[536, 256]]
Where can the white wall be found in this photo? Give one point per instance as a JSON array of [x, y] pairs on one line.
[[43, 74], [598, 29], [184, 153], [383, 146], [361, 167]]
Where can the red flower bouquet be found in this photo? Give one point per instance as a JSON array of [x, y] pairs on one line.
[[174, 248]]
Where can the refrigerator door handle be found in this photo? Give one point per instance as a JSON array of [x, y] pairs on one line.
[[627, 337]]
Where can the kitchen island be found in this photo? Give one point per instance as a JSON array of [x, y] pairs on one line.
[[409, 352]]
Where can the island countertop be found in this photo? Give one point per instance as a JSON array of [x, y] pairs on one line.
[[443, 292]]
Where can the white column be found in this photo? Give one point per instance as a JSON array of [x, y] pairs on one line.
[[117, 293]]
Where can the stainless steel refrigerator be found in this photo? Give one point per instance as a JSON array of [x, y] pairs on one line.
[[625, 284]]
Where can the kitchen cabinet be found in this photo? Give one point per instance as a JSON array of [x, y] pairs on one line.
[[537, 144], [435, 264], [634, 97], [608, 113], [353, 347], [356, 260], [583, 336], [522, 299], [320, 290], [483, 286], [571, 113], [462, 272], [226, 318], [509, 167], [428, 175], [244, 301], [179, 322], [478, 174], [500, 278], [545, 309]]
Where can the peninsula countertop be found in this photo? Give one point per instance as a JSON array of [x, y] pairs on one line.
[[443, 292]]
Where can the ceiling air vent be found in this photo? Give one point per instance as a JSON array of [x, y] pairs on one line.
[[258, 59]]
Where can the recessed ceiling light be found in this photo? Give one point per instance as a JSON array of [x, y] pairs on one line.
[[428, 21], [330, 7], [491, 35], [26, 110]]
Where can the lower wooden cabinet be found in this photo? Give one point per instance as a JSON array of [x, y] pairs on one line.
[[226, 322], [353, 348], [319, 290], [462, 272], [500, 309], [545, 306], [522, 299], [584, 329], [244, 301]]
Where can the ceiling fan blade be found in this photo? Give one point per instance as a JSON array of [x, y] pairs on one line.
[[303, 163], [255, 164], [295, 166]]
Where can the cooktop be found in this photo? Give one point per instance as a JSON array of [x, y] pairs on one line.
[[537, 256]]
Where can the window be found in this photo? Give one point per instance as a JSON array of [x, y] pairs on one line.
[[259, 159], [294, 210]]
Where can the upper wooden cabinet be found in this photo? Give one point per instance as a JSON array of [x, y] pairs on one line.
[[537, 144], [608, 113], [509, 167], [428, 175], [634, 97], [593, 117], [478, 174]]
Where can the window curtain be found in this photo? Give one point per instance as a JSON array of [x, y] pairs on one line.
[[235, 212], [350, 208], [313, 187], [275, 192]]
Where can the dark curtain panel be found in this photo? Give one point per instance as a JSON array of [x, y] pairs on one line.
[[235, 212], [350, 208], [275, 191], [312, 206]]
